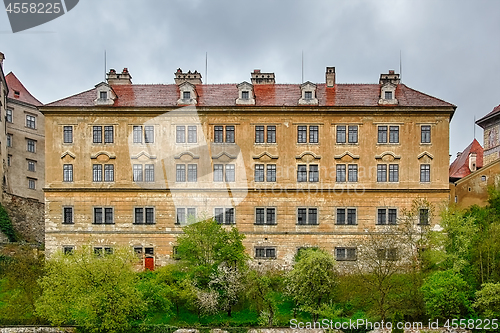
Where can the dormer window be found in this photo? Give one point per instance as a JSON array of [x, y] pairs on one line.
[[187, 94], [388, 95], [105, 95], [308, 92], [245, 94], [388, 84]]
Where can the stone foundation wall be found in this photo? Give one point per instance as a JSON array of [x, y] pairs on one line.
[[27, 216], [37, 329]]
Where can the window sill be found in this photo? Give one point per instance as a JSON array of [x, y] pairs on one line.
[[347, 143], [307, 225], [265, 258], [342, 259], [265, 224], [103, 223], [346, 224], [143, 223]]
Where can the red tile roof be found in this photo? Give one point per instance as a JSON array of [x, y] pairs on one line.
[[159, 95], [16, 86], [460, 167], [494, 112]]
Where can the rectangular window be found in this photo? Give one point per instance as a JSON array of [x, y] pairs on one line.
[[423, 216], [388, 95], [139, 215], [144, 215], [302, 134], [229, 216], [265, 252], [192, 134], [387, 254], [186, 95], [68, 134], [103, 95], [341, 216], [149, 173], [352, 173], [271, 172], [149, 134], [192, 173], [244, 94], [68, 250], [271, 134], [313, 134], [230, 134], [31, 183], [230, 176], [30, 121], [313, 173], [218, 134], [351, 216], [259, 172], [308, 95], [346, 216], [259, 134], [341, 173], [394, 173], [425, 173], [387, 216], [219, 215], [425, 134], [97, 173], [302, 173], [108, 215], [9, 140], [343, 253], [180, 173], [381, 172], [108, 134], [341, 134], [9, 115], [67, 172], [218, 172], [97, 134], [150, 215], [31, 146], [68, 215], [31, 165], [307, 216], [392, 216], [109, 172], [394, 134], [9, 160], [265, 216], [181, 216], [137, 134], [97, 215], [382, 134], [137, 173], [382, 216], [353, 134], [180, 134]]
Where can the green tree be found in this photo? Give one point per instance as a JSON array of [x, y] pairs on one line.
[[263, 291], [488, 300], [312, 281], [446, 295], [205, 245], [97, 292], [20, 289], [179, 287]]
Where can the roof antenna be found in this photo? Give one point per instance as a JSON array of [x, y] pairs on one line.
[[474, 127], [104, 66], [206, 67], [302, 66], [400, 68]]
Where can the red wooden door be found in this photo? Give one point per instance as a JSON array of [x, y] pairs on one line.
[[149, 263]]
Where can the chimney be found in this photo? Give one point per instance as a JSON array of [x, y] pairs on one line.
[[119, 79], [262, 78], [330, 77], [193, 78], [2, 57], [389, 78], [472, 162]]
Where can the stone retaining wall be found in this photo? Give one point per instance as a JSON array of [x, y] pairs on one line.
[[27, 216], [36, 329]]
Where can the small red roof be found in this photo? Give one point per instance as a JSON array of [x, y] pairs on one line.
[[494, 112], [18, 92], [159, 95], [460, 166]]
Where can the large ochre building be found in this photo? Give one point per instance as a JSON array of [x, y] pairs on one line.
[[290, 165]]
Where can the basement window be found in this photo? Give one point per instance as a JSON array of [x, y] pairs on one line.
[[483, 178]]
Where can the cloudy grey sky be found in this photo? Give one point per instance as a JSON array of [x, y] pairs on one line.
[[450, 48]]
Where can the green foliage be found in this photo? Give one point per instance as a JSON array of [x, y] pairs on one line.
[[206, 245], [6, 225], [20, 288], [488, 300], [98, 293], [312, 281], [446, 295], [179, 288], [263, 290]]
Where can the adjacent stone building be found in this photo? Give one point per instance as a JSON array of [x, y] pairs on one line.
[[290, 165], [491, 126]]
